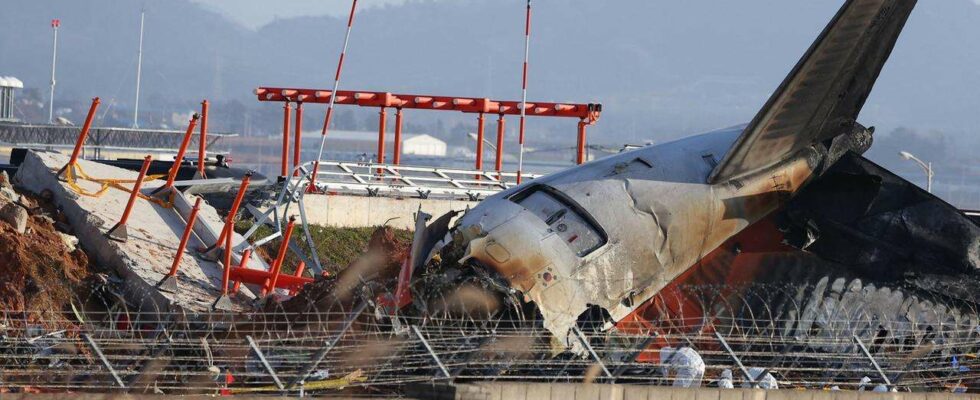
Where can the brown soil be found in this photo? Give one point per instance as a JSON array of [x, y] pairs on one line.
[[37, 272]]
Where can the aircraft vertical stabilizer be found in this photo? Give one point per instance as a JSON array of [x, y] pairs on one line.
[[822, 96]]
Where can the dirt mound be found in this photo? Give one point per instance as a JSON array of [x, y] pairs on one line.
[[39, 273]]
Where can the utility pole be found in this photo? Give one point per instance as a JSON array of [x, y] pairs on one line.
[[55, 23], [139, 73]]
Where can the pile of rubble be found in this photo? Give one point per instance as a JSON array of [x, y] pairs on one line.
[[42, 266]]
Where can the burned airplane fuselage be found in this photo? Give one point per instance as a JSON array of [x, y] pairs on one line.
[[614, 232]]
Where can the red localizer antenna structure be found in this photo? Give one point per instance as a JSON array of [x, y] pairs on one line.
[[587, 113], [336, 85], [527, 51]]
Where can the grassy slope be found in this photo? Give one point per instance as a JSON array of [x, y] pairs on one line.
[[337, 247]]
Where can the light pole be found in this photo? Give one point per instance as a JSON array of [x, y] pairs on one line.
[[55, 23], [485, 142], [925, 166], [139, 73]]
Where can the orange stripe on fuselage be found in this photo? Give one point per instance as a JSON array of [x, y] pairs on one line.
[[674, 311]]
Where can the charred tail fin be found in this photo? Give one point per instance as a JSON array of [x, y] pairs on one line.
[[822, 96]]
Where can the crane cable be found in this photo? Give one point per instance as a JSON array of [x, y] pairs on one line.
[[74, 173]]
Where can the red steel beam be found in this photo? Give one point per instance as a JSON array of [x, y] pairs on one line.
[[119, 231], [175, 168], [589, 112], [298, 140], [382, 125], [397, 156], [85, 129], [498, 160], [480, 131], [285, 140], [274, 271], [259, 277], [188, 229]]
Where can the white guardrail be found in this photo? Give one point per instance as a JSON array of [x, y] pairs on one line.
[[373, 179]]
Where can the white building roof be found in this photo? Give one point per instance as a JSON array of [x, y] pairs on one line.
[[423, 138], [11, 82]]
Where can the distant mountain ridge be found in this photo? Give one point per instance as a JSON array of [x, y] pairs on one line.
[[662, 69]]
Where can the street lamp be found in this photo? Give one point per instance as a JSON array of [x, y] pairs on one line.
[[925, 166], [485, 142]]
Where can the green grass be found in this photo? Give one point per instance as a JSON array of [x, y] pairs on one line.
[[336, 247]]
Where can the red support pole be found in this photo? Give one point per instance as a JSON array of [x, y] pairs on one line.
[[580, 151], [223, 302], [499, 160], [316, 169], [299, 274], [246, 256], [298, 140], [84, 134], [233, 211], [285, 139], [382, 124], [261, 278], [397, 156], [180, 154], [118, 231], [480, 130], [203, 140], [277, 264], [169, 282]]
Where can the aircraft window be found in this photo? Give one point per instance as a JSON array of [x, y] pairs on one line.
[[565, 219]]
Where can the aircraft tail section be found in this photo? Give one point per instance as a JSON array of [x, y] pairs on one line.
[[824, 93]]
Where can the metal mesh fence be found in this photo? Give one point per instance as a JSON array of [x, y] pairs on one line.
[[804, 337]]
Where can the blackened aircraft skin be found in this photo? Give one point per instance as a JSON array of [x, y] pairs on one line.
[[614, 232]]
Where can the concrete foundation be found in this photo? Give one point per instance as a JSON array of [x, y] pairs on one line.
[[571, 391], [346, 211], [581, 391], [154, 235]]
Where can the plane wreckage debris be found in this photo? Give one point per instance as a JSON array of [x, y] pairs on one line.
[[765, 255]]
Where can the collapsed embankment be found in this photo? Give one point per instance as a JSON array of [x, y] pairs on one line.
[[41, 268]]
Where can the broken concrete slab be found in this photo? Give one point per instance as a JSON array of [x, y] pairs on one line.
[[71, 242], [154, 234], [5, 180], [15, 215], [9, 194]]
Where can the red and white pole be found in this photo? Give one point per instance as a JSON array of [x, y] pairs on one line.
[[527, 49], [333, 98]]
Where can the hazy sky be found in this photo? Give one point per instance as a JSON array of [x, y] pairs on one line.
[[255, 13]]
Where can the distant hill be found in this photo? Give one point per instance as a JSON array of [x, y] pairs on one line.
[[662, 69]]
